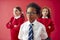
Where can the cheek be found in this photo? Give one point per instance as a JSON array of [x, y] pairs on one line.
[[46, 13], [43, 13], [17, 13], [29, 16], [33, 16], [14, 13]]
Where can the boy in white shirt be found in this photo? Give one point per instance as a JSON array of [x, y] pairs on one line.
[[32, 29]]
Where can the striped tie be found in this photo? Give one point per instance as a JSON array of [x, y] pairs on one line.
[[30, 32]]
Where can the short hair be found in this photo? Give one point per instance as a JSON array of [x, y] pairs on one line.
[[34, 5], [18, 8]]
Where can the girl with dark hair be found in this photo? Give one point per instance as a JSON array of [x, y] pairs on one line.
[[15, 22], [45, 19]]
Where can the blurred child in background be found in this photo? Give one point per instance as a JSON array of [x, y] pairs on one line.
[[45, 19], [15, 22]]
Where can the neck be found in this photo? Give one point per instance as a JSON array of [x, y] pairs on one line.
[[31, 21], [44, 16], [17, 15]]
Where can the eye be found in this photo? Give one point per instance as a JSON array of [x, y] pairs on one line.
[[16, 10], [28, 12]]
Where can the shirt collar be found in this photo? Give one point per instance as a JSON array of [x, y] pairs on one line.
[[17, 17], [32, 22], [45, 17]]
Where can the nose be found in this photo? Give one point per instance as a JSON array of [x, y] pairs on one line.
[[29, 15]]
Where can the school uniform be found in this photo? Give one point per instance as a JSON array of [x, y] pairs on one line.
[[15, 29], [48, 24], [38, 31]]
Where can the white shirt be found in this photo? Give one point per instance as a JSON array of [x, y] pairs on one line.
[[17, 17], [38, 28], [45, 17]]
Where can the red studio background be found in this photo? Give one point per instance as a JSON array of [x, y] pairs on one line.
[[6, 7]]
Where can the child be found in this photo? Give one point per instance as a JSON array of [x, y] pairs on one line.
[[15, 22], [45, 19], [32, 29]]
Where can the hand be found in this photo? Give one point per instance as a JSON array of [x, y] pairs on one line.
[[9, 22], [15, 25], [49, 27]]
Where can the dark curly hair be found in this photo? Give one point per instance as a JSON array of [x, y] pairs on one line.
[[18, 8], [34, 5]]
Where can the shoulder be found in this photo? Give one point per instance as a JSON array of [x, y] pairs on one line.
[[11, 18], [25, 23], [40, 24], [50, 19], [39, 19], [22, 16]]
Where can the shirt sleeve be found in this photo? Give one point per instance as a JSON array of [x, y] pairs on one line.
[[52, 26], [9, 25], [20, 33], [21, 21], [44, 33]]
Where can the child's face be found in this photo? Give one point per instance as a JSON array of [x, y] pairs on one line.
[[16, 12], [44, 12], [31, 14]]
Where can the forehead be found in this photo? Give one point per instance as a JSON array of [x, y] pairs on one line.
[[31, 9], [45, 9], [15, 9]]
